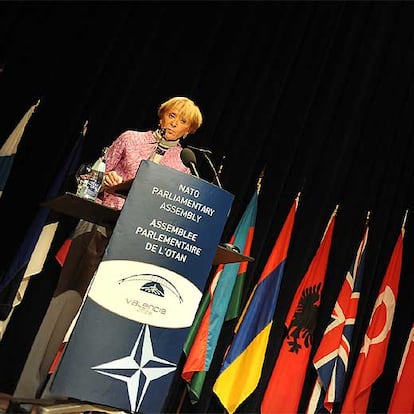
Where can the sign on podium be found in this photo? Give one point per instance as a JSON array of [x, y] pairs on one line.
[[129, 334]]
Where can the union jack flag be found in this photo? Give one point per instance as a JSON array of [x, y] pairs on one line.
[[331, 357]]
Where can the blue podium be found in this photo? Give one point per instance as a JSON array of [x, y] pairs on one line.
[[130, 331]]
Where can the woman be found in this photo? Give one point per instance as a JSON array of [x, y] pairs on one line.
[[178, 117]]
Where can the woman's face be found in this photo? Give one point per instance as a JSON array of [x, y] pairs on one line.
[[175, 125]]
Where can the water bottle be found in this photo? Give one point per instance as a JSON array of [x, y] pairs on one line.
[[90, 189], [82, 177]]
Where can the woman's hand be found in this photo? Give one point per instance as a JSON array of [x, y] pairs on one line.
[[112, 178]]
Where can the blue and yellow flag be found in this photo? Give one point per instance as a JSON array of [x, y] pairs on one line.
[[245, 356], [202, 340]]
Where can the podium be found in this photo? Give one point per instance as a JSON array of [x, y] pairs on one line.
[[130, 331], [71, 205], [74, 206]]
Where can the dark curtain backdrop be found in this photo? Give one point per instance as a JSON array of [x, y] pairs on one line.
[[320, 94]]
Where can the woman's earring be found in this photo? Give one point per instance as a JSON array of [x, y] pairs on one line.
[[184, 136]]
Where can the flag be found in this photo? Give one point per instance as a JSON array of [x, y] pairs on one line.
[[245, 356], [64, 249], [331, 357], [34, 266], [284, 390], [235, 305], [202, 339], [371, 358], [402, 399], [9, 148], [40, 229]]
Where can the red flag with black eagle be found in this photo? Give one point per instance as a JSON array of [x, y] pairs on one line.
[[284, 390]]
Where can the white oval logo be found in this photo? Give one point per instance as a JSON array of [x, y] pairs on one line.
[[145, 293]]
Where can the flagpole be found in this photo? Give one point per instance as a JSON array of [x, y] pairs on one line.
[[181, 402], [259, 180], [85, 127], [368, 217], [332, 216], [404, 221]]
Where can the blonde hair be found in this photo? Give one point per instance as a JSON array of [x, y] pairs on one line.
[[185, 108]]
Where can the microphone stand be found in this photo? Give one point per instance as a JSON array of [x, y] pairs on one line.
[[216, 176]]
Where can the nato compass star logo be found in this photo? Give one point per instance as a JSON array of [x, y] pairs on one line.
[[146, 367]]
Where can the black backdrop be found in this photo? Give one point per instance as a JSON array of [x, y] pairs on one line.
[[319, 93]]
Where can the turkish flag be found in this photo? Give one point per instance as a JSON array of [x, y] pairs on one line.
[[370, 363]]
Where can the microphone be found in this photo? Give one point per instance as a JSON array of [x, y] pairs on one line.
[[162, 145], [206, 154], [189, 160], [202, 150]]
